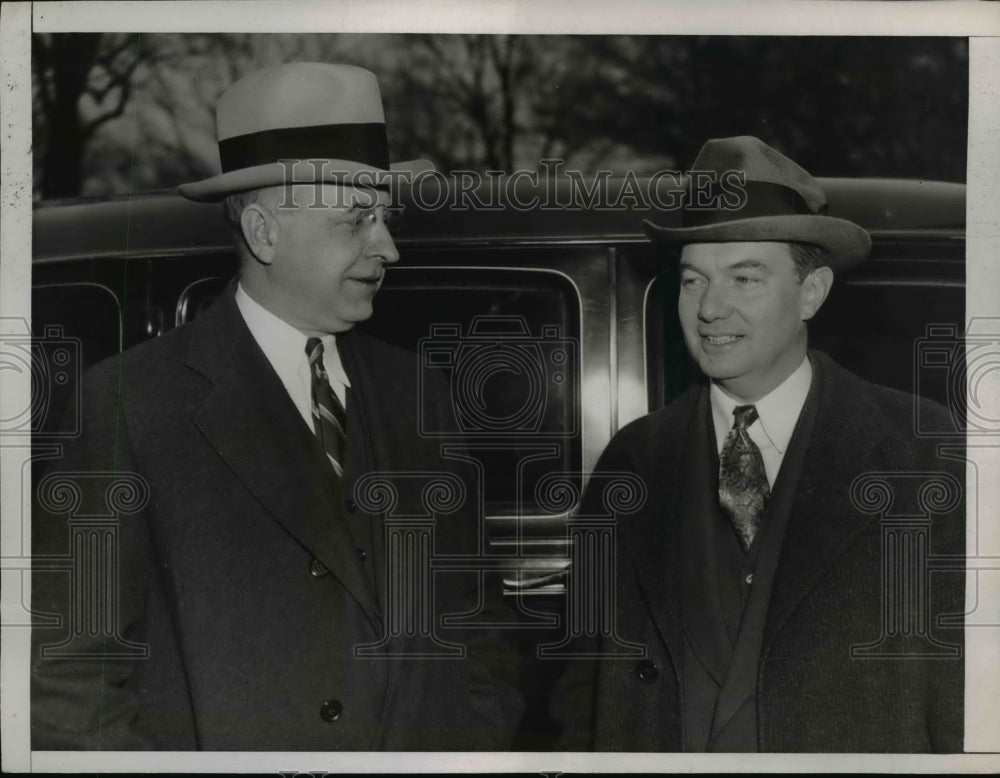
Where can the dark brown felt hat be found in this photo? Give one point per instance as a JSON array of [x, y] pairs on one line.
[[780, 201]]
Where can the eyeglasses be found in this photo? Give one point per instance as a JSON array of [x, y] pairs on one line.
[[363, 220]]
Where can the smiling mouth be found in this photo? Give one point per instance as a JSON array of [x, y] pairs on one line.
[[721, 340]]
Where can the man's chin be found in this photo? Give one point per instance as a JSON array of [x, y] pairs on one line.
[[356, 317], [344, 323], [718, 368]]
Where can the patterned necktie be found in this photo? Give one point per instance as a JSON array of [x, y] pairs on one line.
[[329, 417], [743, 488]]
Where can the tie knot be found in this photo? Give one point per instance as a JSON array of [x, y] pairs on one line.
[[745, 416], [314, 350]]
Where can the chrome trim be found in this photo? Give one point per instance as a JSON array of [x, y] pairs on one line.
[[613, 335], [182, 253], [645, 344], [902, 282], [555, 590], [184, 299], [922, 234]]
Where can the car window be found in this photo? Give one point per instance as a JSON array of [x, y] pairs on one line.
[[876, 328]]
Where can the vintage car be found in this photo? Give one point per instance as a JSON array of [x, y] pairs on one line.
[[554, 318]]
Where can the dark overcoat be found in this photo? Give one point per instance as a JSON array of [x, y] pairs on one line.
[[821, 684], [246, 576]]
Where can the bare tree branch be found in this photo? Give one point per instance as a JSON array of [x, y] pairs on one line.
[[114, 113], [115, 76], [107, 58]]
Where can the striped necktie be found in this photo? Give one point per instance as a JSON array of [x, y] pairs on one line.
[[329, 417], [743, 487]]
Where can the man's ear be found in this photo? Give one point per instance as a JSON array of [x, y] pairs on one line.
[[260, 232], [815, 287]]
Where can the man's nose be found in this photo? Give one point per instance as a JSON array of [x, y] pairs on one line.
[[381, 244], [714, 303]]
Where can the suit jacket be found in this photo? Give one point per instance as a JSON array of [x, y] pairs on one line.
[[251, 574], [827, 595]]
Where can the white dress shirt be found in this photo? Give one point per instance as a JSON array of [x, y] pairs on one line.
[[777, 414], [285, 348]]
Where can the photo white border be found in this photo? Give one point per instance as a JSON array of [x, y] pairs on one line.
[[594, 17], [15, 389], [978, 20], [982, 298]]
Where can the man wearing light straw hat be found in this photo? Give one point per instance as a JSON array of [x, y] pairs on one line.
[[255, 575]]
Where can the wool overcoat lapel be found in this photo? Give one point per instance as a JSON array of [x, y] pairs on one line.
[[704, 622], [366, 399], [253, 425], [846, 440], [651, 539], [822, 524]]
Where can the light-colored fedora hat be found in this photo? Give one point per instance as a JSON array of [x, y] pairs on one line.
[[300, 111], [780, 202]]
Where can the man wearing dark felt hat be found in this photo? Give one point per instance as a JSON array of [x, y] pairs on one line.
[[754, 576], [255, 578]]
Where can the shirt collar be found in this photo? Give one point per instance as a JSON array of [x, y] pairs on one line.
[[778, 411], [284, 345]]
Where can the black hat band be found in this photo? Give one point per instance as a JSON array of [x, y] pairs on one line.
[[364, 143]]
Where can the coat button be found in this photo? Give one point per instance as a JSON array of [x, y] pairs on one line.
[[330, 711], [363, 554], [317, 569], [647, 671], [351, 506]]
